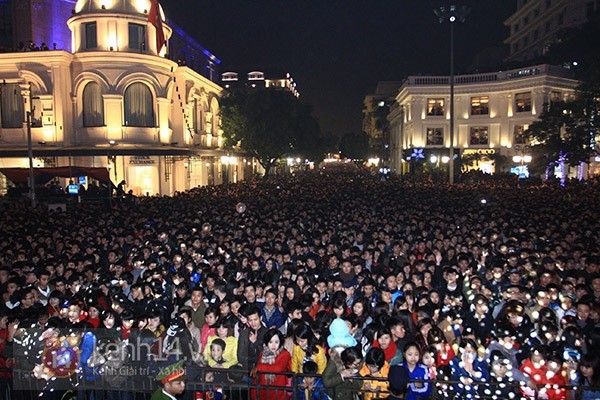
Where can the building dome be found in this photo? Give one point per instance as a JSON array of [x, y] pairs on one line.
[[131, 7], [120, 26]]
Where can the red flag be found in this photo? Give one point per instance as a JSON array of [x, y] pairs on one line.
[[155, 19]]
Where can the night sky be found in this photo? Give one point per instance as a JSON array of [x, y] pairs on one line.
[[337, 50]]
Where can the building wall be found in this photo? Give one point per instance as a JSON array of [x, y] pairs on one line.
[[375, 109], [410, 119], [184, 50], [536, 23], [159, 159], [37, 21], [260, 79]]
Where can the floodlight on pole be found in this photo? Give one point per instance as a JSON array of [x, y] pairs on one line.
[[452, 14]]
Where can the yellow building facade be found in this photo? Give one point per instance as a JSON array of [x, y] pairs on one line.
[[115, 101]]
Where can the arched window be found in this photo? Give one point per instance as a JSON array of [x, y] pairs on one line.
[[93, 107], [139, 106], [11, 105]]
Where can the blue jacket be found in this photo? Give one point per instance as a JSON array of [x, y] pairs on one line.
[[480, 376], [318, 392], [413, 392], [87, 346], [277, 319]]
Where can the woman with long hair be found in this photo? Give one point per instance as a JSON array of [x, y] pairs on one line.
[[306, 348], [362, 309], [587, 378], [109, 329], [274, 361], [422, 329]]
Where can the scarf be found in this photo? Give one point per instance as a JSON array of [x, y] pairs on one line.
[[268, 357], [390, 352]]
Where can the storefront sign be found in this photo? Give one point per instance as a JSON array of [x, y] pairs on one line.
[[141, 160]]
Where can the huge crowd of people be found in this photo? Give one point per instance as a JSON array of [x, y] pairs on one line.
[[349, 285]]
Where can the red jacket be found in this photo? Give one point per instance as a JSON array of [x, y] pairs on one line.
[[559, 379], [269, 375], [538, 375]]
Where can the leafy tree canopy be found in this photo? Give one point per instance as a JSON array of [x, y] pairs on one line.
[[269, 124], [354, 145], [563, 133]]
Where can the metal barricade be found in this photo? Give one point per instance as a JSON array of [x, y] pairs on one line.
[[219, 384]]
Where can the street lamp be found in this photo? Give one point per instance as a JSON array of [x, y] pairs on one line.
[[452, 14], [522, 157]]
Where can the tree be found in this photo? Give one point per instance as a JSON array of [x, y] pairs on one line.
[[578, 50], [563, 133], [269, 124], [354, 145]]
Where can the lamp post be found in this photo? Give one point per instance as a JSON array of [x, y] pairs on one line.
[[452, 14]]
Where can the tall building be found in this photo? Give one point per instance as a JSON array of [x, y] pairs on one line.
[[536, 24], [492, 111], [114, 100]]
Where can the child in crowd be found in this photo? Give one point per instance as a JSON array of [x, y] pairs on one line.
[[375, 366], [310, 386], [429, 360], [418, 374]]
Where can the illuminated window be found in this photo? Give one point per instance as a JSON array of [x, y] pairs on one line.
[[139, 106], [554, 96], [480, 105], [523, 102], [256, 75], [11, 105], [519, 134], [93, 107], [91, 37], [230, 76], [435, 107], [479, 136], [137, 37], [435, 137]]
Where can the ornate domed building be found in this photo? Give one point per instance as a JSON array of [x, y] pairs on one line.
[[115, 101]]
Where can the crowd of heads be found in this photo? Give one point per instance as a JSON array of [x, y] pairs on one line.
[[502, 272]]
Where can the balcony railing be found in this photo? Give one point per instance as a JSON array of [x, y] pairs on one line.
[[520, 73]]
